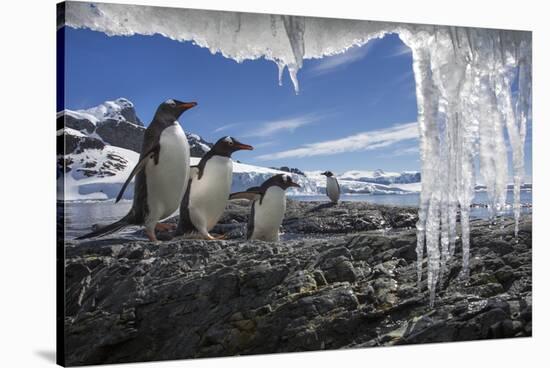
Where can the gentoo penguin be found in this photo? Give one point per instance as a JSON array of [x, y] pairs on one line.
[[209, 188], [162, 173], [333, 188], [268, 207]]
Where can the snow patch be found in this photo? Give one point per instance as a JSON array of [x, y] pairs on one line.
[[97, 174]]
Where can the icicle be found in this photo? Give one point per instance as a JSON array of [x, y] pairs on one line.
[[293, 72], [281, 68], [453, 179], [465, 223], [444, 183], [466, 135], [420, 241], [295, 28], [493, 157], [428, 103], [432, 244], [516, 120]]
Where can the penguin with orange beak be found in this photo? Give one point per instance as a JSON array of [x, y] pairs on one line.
[[208, 190], [268, 207], [162, 173]]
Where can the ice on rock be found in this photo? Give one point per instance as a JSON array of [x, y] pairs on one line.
[[464, 79]]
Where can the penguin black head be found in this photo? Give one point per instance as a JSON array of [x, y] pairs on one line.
[[328, 174], [170, 110], [227, 145], [283, 181]]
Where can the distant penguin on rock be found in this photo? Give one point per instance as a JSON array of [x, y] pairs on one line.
[[268, 207], [208, 190], [162, 173], [333, 188]]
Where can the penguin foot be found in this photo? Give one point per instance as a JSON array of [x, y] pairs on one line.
[[151, 235], [165, 227], [217, 237]]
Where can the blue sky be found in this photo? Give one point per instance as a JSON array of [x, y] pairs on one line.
[[354, 111]]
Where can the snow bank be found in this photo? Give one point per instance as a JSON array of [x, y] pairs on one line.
[[98, 174], [382, 177], [367, 182], [464, 79]]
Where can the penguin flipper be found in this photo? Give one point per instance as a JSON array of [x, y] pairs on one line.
[[185, 225], [249, 195], [153, 154], [250, 225]]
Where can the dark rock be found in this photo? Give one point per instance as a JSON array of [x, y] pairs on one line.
[[197, 145], [131, 300], [505, 328], [121, 133], [75, 272], [320, 278], [505, 274], [77, 144], [80, 124]]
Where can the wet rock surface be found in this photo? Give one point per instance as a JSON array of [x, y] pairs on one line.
[[319, 288]]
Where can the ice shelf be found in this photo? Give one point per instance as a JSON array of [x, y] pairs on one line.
[[465, 79]]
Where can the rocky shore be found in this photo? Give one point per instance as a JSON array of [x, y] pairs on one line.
[[342, 277]]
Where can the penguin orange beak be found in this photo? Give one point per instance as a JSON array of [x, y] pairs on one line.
[[243, 146], [293, 184], [187, 105]]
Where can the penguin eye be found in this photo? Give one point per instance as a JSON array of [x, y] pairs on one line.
[[230, 143]]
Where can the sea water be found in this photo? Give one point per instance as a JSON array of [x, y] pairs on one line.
[[81, 215]]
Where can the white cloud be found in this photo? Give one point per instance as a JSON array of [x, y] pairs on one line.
[[331, 63], [264, 144], [225, 127], [359, 142], [407, 151], [289, 125]]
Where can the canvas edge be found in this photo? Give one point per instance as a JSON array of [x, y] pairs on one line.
[[60, 218]]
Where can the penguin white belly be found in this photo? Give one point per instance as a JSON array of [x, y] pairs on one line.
[[167, 180], [333, 191], [209, 195], [268, 216]]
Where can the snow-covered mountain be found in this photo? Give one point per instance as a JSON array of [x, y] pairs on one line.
[[98, 148], [361, 185], [116, 124], [102, 145], [381, 177]]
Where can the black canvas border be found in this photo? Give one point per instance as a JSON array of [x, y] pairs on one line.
[[60, 206]]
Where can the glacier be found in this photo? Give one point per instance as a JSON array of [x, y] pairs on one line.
[[464, 78]]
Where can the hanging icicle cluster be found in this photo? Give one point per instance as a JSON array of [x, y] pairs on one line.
[[465, 90]]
